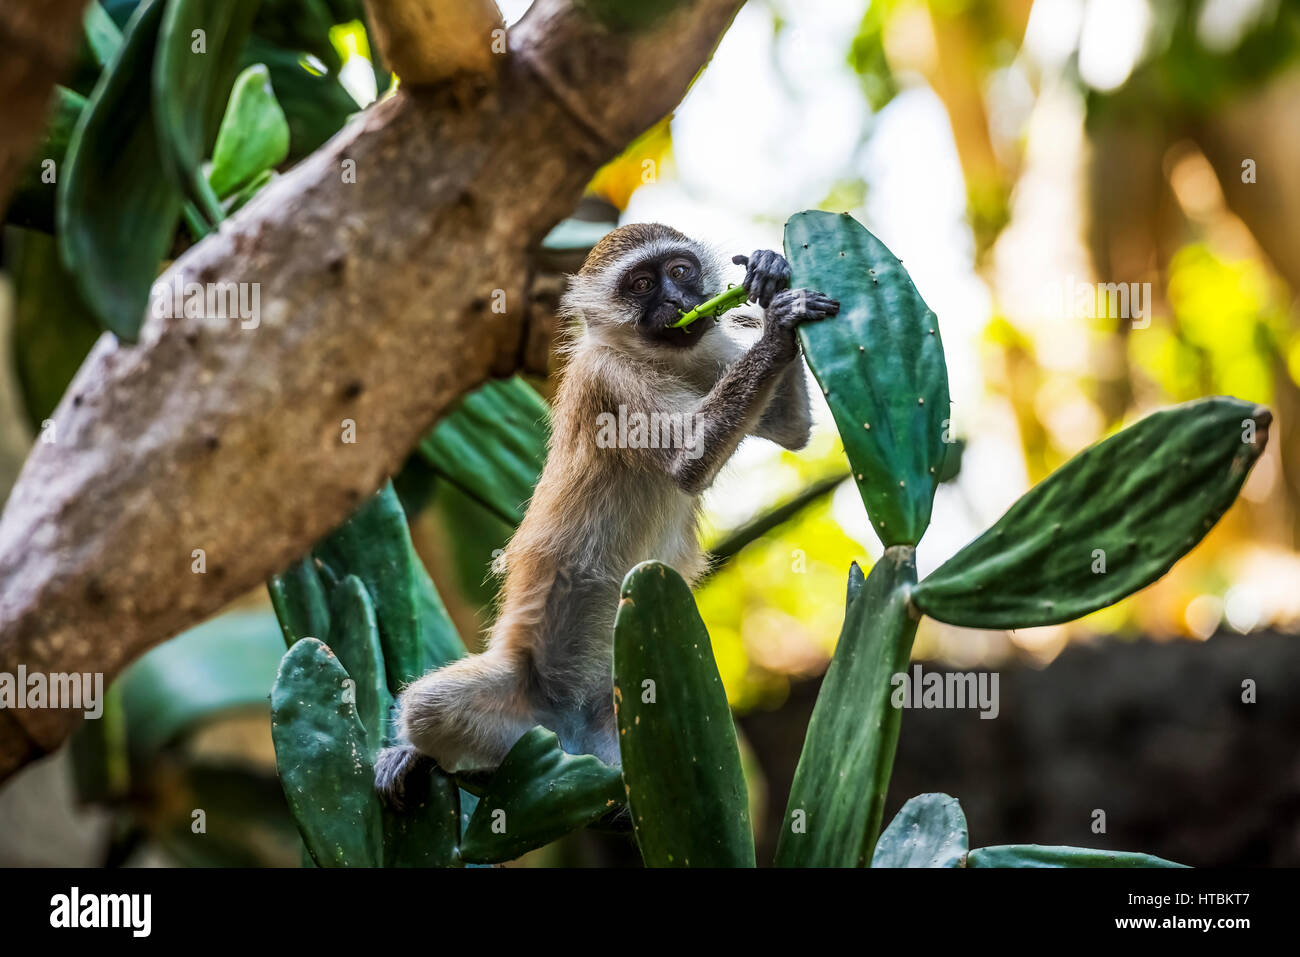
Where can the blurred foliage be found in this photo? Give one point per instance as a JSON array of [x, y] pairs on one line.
[[1229, 323], [1180, 75]]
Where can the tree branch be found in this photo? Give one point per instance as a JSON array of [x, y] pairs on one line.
[[429, 41], [376, 309]]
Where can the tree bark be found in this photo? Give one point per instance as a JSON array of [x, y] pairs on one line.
[[429, 41], [376, 311], [38, 38]]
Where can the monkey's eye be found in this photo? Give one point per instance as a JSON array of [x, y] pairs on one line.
[[642, 284], [681, 270]]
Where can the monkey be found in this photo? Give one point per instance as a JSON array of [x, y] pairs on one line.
[[607, 501]]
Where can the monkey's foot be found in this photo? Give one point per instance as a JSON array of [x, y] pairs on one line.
[[402, 776]]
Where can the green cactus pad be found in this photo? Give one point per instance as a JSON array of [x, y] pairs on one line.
[[425, 835], [880, 363], [300, 602], [1110, 521], [539, 793], [1038, 855], [838, 795], [928, 831], [354, 638], [325, 767], [681, 764]]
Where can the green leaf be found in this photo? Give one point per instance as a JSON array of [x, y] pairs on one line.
[[117, 212], [438, 635], [492, 446], [315, 105], [198, 57], [838, 795], [300, 602], [856, 581], [681, 764], [224, 664], [472, 536], [1110, 521], [928, 831], [539, 794], [354, 637], [1038, 855], [426, 835], [880, 363], [102, 35], [254, 135], [325, 768], [375, 545], [33, 202], [53, 329]]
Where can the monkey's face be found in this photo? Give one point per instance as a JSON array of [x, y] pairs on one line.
[[660, 289]]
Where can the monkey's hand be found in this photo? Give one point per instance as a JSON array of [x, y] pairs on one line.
[[766, 274], [789, 308]]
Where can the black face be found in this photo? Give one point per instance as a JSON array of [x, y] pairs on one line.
[[661, 288]]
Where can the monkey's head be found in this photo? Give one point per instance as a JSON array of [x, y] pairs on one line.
[[639, 278]]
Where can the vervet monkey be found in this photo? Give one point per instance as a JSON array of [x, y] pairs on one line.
[[645, 417]]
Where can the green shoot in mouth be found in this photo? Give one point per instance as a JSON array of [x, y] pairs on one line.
[[714, 307]]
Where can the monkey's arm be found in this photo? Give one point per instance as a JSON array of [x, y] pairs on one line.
[[786, 419], [734, 406]]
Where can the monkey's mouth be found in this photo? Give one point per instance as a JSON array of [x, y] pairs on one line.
[[660, 324]]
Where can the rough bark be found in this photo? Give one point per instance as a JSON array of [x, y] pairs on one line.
[[38, 38], [429, 41], [376, 307]]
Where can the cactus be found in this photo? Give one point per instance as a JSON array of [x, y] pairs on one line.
[[390, 596], [325, 765], [1110, 521], [428, 834], [300, 602], [1039, 855], [681, 764], [538, 794], [355, 640], [880, 364], [928, 831], [838, 794]]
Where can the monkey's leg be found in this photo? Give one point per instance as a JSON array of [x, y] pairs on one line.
[[469, 713]]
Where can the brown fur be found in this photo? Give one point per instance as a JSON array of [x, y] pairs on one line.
[[596, 513]]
